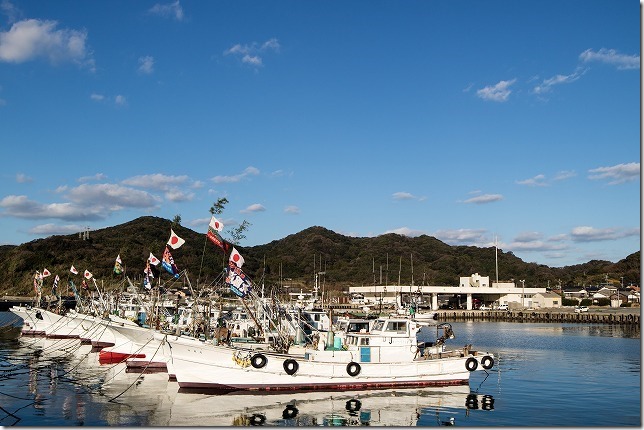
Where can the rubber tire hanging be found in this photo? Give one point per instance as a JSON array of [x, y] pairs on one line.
[[290, 366]]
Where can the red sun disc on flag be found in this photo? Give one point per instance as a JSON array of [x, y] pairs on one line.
[[217, 225], [174, 240], [236, 258]]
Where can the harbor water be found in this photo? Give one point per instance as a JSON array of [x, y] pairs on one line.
[[545, 375]]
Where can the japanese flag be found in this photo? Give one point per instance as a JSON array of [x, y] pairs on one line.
[[153, 260], [175, 241], [45, 273], [236, 258], [87, 274], [215, 224], [73, 270]]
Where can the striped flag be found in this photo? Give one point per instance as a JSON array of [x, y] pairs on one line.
[[55, 286]]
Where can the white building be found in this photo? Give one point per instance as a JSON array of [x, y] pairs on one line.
[[502, 293]]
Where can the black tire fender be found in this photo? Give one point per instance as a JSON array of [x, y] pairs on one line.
[[290, 412], [353, 369], [471, 364], [257, 420], [258, 361], [353, 405], [487, 362], [290, 366]]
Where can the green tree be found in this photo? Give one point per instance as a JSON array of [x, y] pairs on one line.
[[237, 234], [176, 220], [218, 207]]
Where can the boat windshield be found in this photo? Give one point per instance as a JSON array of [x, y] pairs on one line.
[[378, 325], [358, 327]]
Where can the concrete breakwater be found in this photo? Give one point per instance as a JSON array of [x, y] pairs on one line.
[[625, 317]]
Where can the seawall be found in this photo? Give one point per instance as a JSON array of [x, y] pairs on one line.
[[621, 316]]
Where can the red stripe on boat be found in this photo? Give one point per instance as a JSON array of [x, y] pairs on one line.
[[110, 357]]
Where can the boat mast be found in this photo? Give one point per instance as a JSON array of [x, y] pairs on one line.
[[496, 258]]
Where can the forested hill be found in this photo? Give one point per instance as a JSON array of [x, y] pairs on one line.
[[344, 260]]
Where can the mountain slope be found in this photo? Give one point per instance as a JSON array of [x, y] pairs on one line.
[[289, 261]]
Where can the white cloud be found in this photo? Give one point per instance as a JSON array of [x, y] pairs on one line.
[[21, 178], [406, 231], [252, 54], [618, 174], [51, 229], [32, 39], [254, 208], [401, 195], [485, 198], [146, 65], [120, 100], [497, 93], [528, 236], [172, 10], [97, 97], [547, 84], [460, 236], [591, 234], [536, 181], [112, 197], [249, 171], [540, 180], [292, 210], [612, 57], [564, 174], [22, 207], [96, 177], [10, 11], [156, 181]]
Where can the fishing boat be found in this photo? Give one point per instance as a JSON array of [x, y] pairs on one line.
[[388, 356]]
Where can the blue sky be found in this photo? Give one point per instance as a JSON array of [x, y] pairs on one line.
[[463, 120]]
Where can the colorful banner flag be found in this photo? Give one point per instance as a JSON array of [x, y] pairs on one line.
[[152, 259], [73, 270], [238, 281], [175, 241], [148, 270], [84, 285], [87, 274], [168, 263], [146, 283], [118, 265], [218, 240], [37, 282], [147, 275], [45, 273], [215, 224], [236, 258]]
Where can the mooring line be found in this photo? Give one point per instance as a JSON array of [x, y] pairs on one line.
[[142, 372]]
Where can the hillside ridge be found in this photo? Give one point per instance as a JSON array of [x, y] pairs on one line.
[[340, 261]]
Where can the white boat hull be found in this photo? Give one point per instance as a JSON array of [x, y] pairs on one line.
[[202, 365]]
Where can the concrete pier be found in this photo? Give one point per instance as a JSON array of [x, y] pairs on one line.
[[621, 316]]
